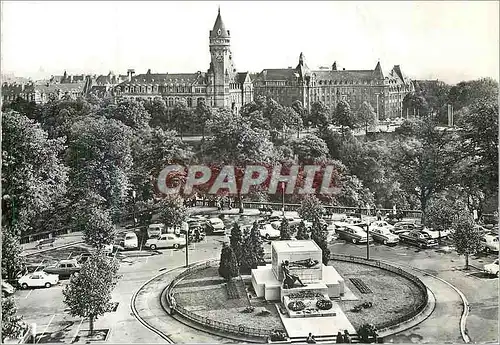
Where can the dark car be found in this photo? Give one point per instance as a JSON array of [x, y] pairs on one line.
[[401, 227], [64, 268], [417, 238]]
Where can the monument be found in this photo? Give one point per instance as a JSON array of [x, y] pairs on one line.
[[304, 288]]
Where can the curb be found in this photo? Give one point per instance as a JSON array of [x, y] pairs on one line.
[[466, 306]]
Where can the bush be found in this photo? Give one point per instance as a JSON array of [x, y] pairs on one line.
[[367, 332]]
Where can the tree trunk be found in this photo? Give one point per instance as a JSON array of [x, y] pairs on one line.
[[91, 325], [466, 261]]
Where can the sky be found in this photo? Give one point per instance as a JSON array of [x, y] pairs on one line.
[[445, 40]]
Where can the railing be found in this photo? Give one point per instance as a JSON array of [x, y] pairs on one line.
[[375, 263], [241, 330]]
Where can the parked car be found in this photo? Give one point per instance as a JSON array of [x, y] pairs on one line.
[[63, 268], [492, 268], [418, 238], [490, 243], [166, 241], [215, 226], [7, 289], [155, 229], [381, 224], [352, 233], [435, 233], [83, 257], [38, 279], [130, 241], [384, 235], [268, 231], [401, 227]]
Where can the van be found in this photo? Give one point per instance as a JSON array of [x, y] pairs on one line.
[[130, 241], [155, 230]]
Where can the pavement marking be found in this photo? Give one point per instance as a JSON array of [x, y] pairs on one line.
[[46, 327], [77, 331], [29, 293], [171, 252], [147, 258]]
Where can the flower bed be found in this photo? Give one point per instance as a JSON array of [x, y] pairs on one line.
[[319, 305]]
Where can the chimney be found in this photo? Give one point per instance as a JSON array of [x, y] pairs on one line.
[[149, 71], [343, 69], [334, 66], [130, 73]]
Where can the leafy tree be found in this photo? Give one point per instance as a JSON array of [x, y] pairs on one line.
[[320, 115], [157, 109], [310, 148], [98, 228], [33, 176], [299, 109], [440, 213], [285, 231], [203, 113], [28, 108], [311, 208], [466, 237], [467, 93], [12, 325], [181, 116], [302, 232], [415, 104], [12, 261], [366, 115], [173, 212], [319, 236], [129, 112], [236, 242], [344, 117], [422, 165], [88, 293], [228, 267], [99, 155], [57, 116], [367, 332]]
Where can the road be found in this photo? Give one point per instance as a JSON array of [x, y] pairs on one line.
[[46, 307]]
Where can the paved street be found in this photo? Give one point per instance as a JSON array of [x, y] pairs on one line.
[[46, 308]]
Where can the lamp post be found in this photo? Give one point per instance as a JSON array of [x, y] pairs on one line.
[[133, 211], [283, 198], [367, 239]]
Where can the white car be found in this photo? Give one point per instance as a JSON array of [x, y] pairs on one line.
[[492, 268], [38, 279], [268, 231], [215, 226], [434, 234], [490, 243], [166, 241], [381, 224]]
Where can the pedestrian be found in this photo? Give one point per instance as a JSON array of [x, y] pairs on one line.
[[379, 215], [197, 235], [339, 339], [347, 337], [229, 203], [310, 339]]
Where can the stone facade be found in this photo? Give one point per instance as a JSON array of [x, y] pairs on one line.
[[221, 86], [384, 93]]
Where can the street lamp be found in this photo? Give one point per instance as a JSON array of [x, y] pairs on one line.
[[283, 198], [133, 212]]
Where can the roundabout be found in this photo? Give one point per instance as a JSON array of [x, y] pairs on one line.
[[194, 319]]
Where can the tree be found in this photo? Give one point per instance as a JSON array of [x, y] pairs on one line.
[[253, 253], [181, 116], [366, 115], [99, 155], [416, 105], [12, 261], [12, 325], [173, 212], [367, 332], [309, 148], [88, 293], [320, 115], [228, 267], [302, 232], [157, 109], [344, 116], [202, 114], [33, 175], [285, 231], [311, 208], [467, 238], [298, 107], [98, 230], [466, 93], [129, 112], [440, 213], [236, 242], [319, 236]]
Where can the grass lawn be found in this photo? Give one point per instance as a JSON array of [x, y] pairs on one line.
[[393, 296]]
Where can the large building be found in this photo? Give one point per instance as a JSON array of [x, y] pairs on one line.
[[221, 86], [331, 85]]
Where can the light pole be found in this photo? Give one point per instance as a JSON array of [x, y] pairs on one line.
[[133, 211], [187, 247], [283, 198], [367, 239]]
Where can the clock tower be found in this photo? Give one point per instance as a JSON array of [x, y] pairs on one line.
[[221, 66]]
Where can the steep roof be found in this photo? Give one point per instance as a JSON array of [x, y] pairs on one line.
[[344, 75], [241, 77], [219, 29], [277, 74], [164, 78], [65, 87]]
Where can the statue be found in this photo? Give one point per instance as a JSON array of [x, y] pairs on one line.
[[289, 279], [304, 263]]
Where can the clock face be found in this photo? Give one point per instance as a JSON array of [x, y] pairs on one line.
[[219, 32]]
